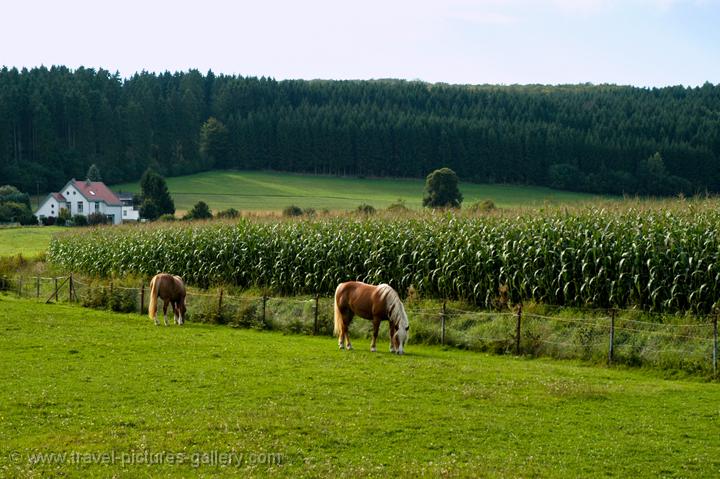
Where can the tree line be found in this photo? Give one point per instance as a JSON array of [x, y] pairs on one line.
[[55, 122]]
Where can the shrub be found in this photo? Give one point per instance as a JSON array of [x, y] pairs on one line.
[[167, 217], [12, 211], [292, 210], [201, 211], [230, 213], [63, 217], [97, 219], [80, 220], [366, 209], [398, 207], [482, 206]]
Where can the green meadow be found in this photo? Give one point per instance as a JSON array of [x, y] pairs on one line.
[[271, 191], [96, 394], [28, 241]]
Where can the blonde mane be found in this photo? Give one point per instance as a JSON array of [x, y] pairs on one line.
[[395, 308]]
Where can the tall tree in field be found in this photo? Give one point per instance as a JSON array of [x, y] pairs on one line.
[[156, 198], [441, 189], [214, 144]]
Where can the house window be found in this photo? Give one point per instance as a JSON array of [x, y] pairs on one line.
[[97, 206], [80, 207], [124, 212]]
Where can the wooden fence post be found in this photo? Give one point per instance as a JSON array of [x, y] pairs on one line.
[[20, 287], [315, 324], [37, 286], [611, 351], [715, 343], [442, 323], [56, 290], [264, 300], [517, 329], [70, 289], [219, 311], [142, 297]]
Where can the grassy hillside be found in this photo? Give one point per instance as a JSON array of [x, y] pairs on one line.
[[87, 383], [265, 191]]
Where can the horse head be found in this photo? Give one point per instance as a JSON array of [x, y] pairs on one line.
[[403, 326]]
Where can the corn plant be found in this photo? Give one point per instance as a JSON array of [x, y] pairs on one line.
[[647, 258]]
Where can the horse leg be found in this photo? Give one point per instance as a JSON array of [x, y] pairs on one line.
[[393, 330], [176, 312], [347, 321], [376, 327], [165, 307]]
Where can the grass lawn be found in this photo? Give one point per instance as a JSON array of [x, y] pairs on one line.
[[27, 240], [87, 383], [266, 191]]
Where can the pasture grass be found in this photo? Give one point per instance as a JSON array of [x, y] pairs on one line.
[[92, 382], [273, 191], [27, 240]]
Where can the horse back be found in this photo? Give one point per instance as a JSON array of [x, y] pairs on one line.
[[360, 298]]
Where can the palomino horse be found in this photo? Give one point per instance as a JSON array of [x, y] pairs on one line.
[[172, 291], [376, 303]]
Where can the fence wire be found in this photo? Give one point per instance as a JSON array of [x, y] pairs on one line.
[[592, 333]]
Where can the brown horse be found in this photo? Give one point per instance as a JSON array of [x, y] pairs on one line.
[[172, 291], [376, 303]]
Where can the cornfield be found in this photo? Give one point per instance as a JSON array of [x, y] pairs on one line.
[[653, 259]]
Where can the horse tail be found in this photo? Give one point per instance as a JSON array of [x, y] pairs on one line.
[[152, 306], [339, 323]]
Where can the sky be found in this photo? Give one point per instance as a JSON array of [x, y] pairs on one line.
[[647, 43]]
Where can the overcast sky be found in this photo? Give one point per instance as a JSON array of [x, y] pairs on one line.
[[636, 42]]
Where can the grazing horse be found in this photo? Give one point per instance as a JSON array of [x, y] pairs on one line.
[[172, 291], [376, 303]]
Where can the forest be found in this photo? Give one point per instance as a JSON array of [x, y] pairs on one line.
[[55, 122]]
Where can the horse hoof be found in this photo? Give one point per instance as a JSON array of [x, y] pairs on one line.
[[372, 350], [349, 347], [341, 347]]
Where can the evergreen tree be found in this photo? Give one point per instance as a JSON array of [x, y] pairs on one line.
[[156, 198], [93, 173], [214, 144]]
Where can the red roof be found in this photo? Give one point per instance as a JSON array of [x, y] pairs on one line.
[[97, 191], [58, 196]]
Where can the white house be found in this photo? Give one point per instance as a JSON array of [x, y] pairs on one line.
[[129, 213], [84, 198]]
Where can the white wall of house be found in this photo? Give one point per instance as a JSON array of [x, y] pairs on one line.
[[130, 214], [50, 208], [74, 198]]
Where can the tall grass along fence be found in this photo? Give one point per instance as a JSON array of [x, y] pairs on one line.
[[664, 261], [616, 336]]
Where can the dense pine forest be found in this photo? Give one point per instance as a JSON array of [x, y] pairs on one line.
[[56, 122]]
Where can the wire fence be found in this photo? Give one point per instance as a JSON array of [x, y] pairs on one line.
[[614, 336]]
